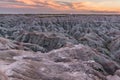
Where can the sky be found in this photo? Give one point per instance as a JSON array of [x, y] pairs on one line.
[[59, 6]]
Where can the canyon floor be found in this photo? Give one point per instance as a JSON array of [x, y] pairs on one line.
[[59, 47]]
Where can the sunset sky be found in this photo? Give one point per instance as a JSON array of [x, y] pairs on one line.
[[59, 6]]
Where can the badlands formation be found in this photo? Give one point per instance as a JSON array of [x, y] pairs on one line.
[[60, 47]]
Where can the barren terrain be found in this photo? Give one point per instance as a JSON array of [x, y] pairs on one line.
[[59, 47]]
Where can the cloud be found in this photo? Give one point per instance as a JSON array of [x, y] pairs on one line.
[[13, 4], [51, 4], [62, 5], [29, 2]]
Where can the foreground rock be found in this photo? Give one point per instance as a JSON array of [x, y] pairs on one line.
[[77, 62]]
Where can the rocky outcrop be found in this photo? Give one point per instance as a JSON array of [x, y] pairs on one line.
[[6, 44], [47, 40]]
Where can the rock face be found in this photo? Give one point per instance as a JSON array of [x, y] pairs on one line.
[[69, 47], [47, 40]]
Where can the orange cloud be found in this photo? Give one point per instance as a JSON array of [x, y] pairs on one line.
[[51, 3], [79, 5], [30, 2]]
